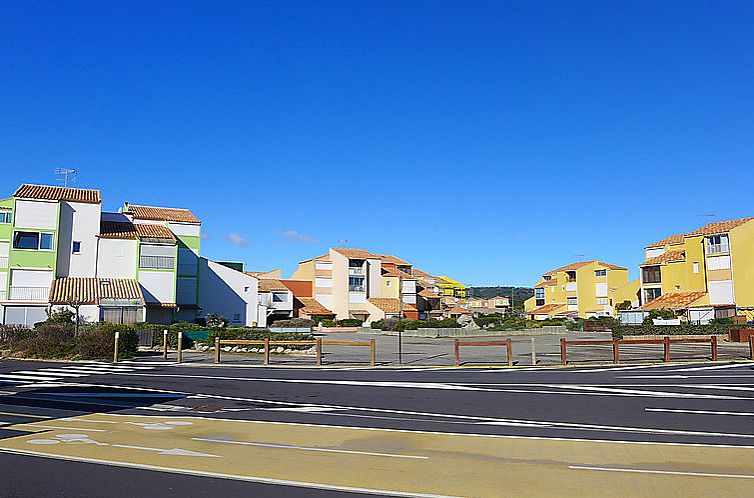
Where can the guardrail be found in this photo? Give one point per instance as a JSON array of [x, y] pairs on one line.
[[616, 343], [507, 343], [317, 343]]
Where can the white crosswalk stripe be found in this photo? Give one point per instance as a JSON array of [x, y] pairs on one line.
[[30, 378]]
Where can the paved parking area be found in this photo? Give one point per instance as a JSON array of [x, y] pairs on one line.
[[423, 352]]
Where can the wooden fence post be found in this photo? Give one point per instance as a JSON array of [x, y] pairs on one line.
[[115, 350], [266, 351], [616, 352], [165, 344], [533, 352], [563, 352], [318, 349], [180, 347], [458, 353], [751, 346], [713, 344], [666, 349], [217, 349], [373, 352], [509, 351]]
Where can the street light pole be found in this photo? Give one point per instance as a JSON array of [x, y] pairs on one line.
[[400, 316]]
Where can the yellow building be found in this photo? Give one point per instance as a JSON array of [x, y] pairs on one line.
[[704, 274], [451, 288], [583, 289]]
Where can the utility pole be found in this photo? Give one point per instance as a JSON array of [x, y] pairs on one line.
[[400, 316]]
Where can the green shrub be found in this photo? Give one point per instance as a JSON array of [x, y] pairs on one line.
[[47, 341], [349, 322], [61, 317], [721, 321], [98, 341], [663, 314], [294, 323], [256, 334], [661, 330]]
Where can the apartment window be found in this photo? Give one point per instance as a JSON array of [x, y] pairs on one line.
[[76, 247], [600, 273], [5, 217], [547, 277], [573, 301], [236, 317], [539, 293], [717, 244], [651, 294], [570, 276], [696, 266], [388, 283], [32, 240], [279, 297], [651, 275], [602, 300], [356, 284], [355, 263]]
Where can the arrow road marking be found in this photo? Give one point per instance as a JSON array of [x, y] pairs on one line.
[[171, 451]]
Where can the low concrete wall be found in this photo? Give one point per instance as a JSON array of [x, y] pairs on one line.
[[337, 329], [458, 332], [301, 330]]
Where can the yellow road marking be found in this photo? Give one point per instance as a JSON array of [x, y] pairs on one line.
[[29, 415]]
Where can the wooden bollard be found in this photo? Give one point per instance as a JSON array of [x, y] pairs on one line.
[[533, 351], [217, 349], [164, 344], [266, 351], [713, 345], [751, 346], [373, 352], [616, 352], [318, 350], [563, 352], [509, 351], [458, 353], [115, 350], [180, 347], [666, 349]]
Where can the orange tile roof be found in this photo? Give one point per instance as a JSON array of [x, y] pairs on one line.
[[394, 272], [550, 282], [117, 230], [390, 304], [355, 253], [674, 300], [719, 227], [311, 306], [426, 293], [161, 214], [666, 257], [457, 310], [92, 290], [271, 284], [324, 257], [546, 309], [580, 264], [672, 240], [389, 258], [46, 192], [149, 231]]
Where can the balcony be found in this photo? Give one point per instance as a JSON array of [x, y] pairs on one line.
[[29, 294], [718, 248], [157, 262], [571, 287], [357, 288], [3, 261], [356, 271]]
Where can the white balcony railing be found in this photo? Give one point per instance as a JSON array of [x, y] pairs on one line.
[[717, 248], [571, 287], [31, 294], [3, 261], [355, 271], [157, 262], [356, 288]]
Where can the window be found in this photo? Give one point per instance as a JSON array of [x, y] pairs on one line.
[[236, 317], [5, 217], [32, 240], [602, 300], [600, 273], [651, 275], [717, 244], [718, 263], [696, 266], [547, 277], [539, 293], [76, 247], [388, 283], [356, 284], [355, 263], [651, 294], [279, 297], [573, 301]]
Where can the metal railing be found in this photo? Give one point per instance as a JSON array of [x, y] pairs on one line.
[[34, 294], [355, 271], [157, 262], [356, 288], [3, 261], [717, 248]]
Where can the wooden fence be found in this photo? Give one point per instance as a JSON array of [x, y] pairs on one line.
[[616, 343], [507, 343], [317, 343]]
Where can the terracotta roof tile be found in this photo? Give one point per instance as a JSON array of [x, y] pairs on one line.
[[672, 240], [355, 253], [666, 257], [271, 284], [581, 264], [311, 306], [390, 304], [674, 300], [546, 309], [150, 231], [161, 214], [50, 193], [719, 227], [117, 230], [457, 310], [93, 290], [426, 293], [389, 258], [324, 257]]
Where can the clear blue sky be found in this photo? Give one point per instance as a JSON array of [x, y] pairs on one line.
[[490, 141]]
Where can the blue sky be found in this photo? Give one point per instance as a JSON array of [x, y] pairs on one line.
[[489, 141]]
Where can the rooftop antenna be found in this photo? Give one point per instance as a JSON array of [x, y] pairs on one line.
[[68, 176]]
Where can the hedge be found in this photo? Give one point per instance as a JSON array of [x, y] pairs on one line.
[[60, 341], [685, 329]]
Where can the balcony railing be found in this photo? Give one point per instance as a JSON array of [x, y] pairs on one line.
[[717, 248], [157, 262], [571, 287], [3, 295], [32, 294], [356, 288], [355, 271], [3, 261]]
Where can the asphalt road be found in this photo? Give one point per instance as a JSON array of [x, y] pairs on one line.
[[139, 428]]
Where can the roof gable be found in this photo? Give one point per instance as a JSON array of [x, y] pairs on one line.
[[51, 193]]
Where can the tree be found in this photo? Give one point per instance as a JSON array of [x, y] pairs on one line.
[[625, 305], [216, 320]]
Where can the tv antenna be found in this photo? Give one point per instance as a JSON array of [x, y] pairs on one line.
[[68, 176]]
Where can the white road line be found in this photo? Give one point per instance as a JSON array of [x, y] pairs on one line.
[[666, 472], [62, 428], [308, 448], [713, 367], [57, 372], [698, 412], [615, 369], [726, 387], [637, 392], [26, 378]]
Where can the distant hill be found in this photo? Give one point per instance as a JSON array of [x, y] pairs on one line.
[[520, 294]]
